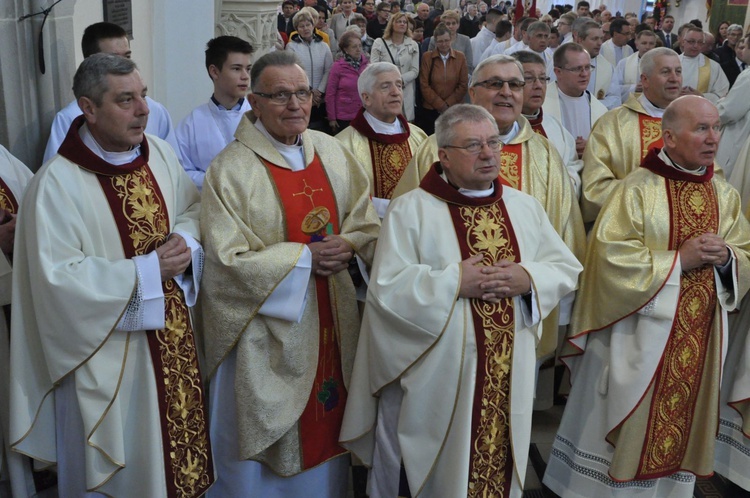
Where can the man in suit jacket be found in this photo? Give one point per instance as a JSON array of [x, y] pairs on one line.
[[733, 68], [284, 22], [668, 39]]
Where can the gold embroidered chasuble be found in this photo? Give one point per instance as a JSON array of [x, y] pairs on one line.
[[664, 416], [247, 255], [384, 157], [531, 160]]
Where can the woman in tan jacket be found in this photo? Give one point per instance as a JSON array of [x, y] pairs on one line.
[[443, 78]]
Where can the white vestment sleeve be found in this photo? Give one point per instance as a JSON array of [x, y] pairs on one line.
[[190, 283], [288, 299], [531, 316], [145, 310]]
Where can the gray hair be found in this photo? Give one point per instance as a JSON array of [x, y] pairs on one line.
[[583, 25], [90, 79], [302, 16], [277, 58], [648, 61], [537, 26], [528, 57], [366, 81], [445, 126], [495, 59], [734, 27]]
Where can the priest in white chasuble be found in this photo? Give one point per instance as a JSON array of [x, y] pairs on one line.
[[464, 271], [621, 138], [379, 136], [284, 212], [529, 163], [669, 257], [14, 176], [105, 378]]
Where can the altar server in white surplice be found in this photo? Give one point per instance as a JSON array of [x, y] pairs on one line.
[[211, 126], [464, 271], [627, 78], [700, 75]]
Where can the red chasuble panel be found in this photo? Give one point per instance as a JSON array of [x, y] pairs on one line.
[[511, 166], [142, 219], [311, 214], [650, 134], [8, 201]]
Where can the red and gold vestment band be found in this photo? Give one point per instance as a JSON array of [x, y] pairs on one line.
[[8, 201], [389, 154], [650, 134], [536, 123], [483, 227], [142, 219], [693, 211], [310, 213], [511, 166]]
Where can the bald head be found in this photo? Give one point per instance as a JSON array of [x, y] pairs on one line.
[[691, 129]]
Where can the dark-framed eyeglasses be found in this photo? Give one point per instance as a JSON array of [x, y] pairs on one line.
[[283, 98], [496, 84], [530, 80], [474, 148]]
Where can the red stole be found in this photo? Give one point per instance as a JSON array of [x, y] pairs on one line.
[[483, 226], [389, 154], [142, 218], [8, 201], [693, 211], [310, 212], [650, 133], [537, 123], [511, 166]]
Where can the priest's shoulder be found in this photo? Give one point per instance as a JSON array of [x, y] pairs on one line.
[[515, 198], [162, 149], [417, 133]]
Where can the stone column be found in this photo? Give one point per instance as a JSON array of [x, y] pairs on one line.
[[251, 20]]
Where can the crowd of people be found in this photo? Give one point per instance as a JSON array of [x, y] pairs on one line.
[[361, 265]]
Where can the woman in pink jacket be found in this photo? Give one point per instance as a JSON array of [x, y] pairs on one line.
[[342, 97]]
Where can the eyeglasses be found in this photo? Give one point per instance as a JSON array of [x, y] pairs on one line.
[[579, 69], [530, 80], [474, 148], [283, 98], [692, 42], [514, 85]]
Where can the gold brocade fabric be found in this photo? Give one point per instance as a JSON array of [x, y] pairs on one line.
[[694, 212], [650, 134], [511, 166], [143, 223], [389, 163], [7, 199], [487, 230]]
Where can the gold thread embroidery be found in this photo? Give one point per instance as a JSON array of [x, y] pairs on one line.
[[650, 134], [7, 199], [388, 163], [510, 168]]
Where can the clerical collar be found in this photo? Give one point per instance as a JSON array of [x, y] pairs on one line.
[[382, 127], [115, 158], [511, 134], [668, 161], [294, 154], [474, 194], [236, 106], [651, 109], [435, 184]]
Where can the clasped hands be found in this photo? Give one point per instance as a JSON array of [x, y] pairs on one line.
[[330, 256], [706, 249], [174, 257], [492, 283]]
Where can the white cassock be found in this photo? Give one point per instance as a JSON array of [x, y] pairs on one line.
[[626, 77], [480, 42], [417, 352], [204, 133], [496, 48], [590, 110], [734, 110], [565, 144], [613, 53], [718, 85], [15, 175], [159, 124], [600, 84], [546, 55]]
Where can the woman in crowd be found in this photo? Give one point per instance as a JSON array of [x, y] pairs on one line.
[[443, 78], [321, 26], [316, 59], [398, 48], [342, 20], [721, 33], [459, 42], [342, 97]]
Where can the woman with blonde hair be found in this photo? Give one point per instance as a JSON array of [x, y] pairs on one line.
[[459, 42], [397, 47]]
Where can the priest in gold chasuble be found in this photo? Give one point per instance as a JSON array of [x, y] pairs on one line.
[[669, 257], [622, 137], [284, 211], [379, 136], [465, 270], [105, 375], [529, 163]]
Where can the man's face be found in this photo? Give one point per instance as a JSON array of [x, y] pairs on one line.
[[606, 16], [644, 44], [554, 40], [538, 41], [692, 43], [467, 170], [583, 11], [369, 6], [471, 10], [233, 79], [483, 8], [118, 123], [742, 51], [593, 42], [384, 13], [665, 83], [733, 37], [651, 22], [283, 122], [418, 34], [504, 104], [115, 46], [423, 11], [667, 25], [563, 27], [574, 76], [536, 87], [708, 43], [287, 10], [621, 38], [387, 97], [695, 138]]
